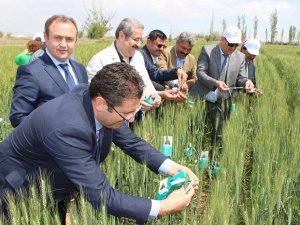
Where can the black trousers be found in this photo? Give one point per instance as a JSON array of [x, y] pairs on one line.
[[216, 115], [62, 211]]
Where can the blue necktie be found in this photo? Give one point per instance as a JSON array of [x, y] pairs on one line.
[[225, 61], [99, 142], [69, 78]]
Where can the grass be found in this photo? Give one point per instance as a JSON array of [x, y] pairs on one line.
[[259, 178]]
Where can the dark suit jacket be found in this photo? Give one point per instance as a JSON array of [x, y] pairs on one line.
[[209, 70], [155, 73], [251, 72], [37, 83], [60, 137]]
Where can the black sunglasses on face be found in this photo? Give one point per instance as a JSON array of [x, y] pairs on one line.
[[232, 45], [160, 45]]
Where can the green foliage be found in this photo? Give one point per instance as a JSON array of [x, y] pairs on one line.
[[80, 34], [273, 24], [97, 24], [96, 30], [1, 34]]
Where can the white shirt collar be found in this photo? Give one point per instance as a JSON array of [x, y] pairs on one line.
[[98, 125], [55, 61]]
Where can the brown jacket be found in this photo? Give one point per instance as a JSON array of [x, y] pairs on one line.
[[167, 60]]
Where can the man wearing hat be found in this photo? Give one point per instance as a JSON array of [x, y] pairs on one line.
[[220, 68], [251, 49]]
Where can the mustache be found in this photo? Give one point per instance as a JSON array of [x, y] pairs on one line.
[[135, 47], [183, 53]]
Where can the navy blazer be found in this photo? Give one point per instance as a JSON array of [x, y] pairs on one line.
[[156, 74], [60, 138], [37, 83]]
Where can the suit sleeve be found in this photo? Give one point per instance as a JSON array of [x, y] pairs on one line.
[[140, 150], [242, 76], [25, 95], [160, 75], [203, 70], [71, 148]]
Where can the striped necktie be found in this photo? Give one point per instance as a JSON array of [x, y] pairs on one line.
[[69, 78]]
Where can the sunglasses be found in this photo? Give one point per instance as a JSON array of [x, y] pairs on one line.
[[160, 45], [232, 45]]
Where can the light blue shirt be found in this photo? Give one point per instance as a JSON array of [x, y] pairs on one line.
[[179, 62], [164, 168], [62, 72]]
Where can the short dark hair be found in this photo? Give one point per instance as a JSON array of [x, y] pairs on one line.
[[116, 82], [153, 35], [59, 18]]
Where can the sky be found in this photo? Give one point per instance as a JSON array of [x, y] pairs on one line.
[[171, 16]]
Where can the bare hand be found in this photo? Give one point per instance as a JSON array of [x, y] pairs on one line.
[[180, 97], [145, 106], [176, 201], [173, 95], [182, 76], [184, 88], [249, 86], [175, 168], [222, 86]]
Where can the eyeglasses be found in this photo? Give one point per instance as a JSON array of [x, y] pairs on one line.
[[124, 117], [231, 45], [161, 45]]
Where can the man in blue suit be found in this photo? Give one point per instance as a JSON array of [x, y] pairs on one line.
[[62, 137], [45, 78]]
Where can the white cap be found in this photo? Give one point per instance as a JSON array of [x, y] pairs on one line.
[[38, 36], [252, 46], [233, 35]]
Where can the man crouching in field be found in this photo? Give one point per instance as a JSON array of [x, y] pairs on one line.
[[69, 137]]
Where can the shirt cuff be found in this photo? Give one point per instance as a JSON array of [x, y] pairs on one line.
[[154, 209], [165, 166]]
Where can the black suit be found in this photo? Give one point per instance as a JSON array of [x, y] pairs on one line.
[[37, 83]]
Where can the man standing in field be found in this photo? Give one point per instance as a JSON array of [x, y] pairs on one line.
[[220, 69], [52, 74], [69, 136]]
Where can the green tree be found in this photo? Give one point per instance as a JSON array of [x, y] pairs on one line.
[[97, 23], [282, 35], [267, 35], [255, 26], [224, 25], [1, 34], [292, 34], [239, 22], [244, 27], [273, 23]]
